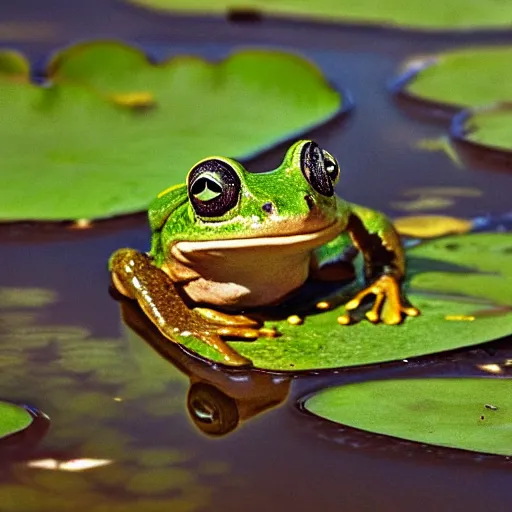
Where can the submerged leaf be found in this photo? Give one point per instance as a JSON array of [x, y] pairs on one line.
[[470, 414], [111, 130]]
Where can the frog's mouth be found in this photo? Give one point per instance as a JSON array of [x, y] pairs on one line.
[[302, 241]]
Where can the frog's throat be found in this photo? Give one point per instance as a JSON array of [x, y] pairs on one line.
[[245, 272], [306, 240]]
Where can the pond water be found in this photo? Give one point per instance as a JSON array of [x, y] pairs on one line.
[[112, 396]]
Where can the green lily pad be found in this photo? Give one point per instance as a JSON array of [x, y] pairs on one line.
[[13, 419], [461, 78], [487, 258], [447, 14], [464, 310], [111, 130], [490, 128], [469, 413]]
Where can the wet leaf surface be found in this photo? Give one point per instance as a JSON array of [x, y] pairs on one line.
[[111, 130], [462, 78], [13, 419], [469, 413], [448, 14], [486, 258]]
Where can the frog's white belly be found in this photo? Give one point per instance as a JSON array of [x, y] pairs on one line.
[[247, 272]]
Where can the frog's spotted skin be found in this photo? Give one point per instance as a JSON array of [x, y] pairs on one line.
[[233, 240]]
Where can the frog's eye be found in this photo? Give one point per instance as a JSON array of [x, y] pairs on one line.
[[213, 188], [313, 167], [331, 167]]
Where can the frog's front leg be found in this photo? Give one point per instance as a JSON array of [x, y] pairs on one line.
[[134, 276], [384, 266]]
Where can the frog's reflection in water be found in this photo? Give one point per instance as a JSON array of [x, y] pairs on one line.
[[219, 399]]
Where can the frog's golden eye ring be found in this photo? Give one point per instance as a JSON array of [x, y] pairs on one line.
[[313, 167], [331, 167], [213, 188]]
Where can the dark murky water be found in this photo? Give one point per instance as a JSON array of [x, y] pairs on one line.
[[111, 396]]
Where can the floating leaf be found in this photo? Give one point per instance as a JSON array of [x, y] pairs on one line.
[[461, 78], [445, 323], [470, 414], [322, 343], [13, 419], [487, 127], [110, 130], [487, 257], [441, 14]]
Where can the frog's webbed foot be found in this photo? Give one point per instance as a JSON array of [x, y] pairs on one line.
[[236, 326], [390, 306], [135, 276]]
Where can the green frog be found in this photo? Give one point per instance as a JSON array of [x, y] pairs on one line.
[[228, 240]]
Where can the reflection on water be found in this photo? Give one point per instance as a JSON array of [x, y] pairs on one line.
[[99, 392], [218, 399]]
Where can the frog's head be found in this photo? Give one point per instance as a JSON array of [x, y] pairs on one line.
[[221, 200], [297, 197]]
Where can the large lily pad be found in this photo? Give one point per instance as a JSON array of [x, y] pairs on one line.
[[464, 311], [461, 78], [441, 14], [110, 130], [13, 419], [470, 414]]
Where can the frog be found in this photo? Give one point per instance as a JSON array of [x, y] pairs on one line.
[[229, 241]]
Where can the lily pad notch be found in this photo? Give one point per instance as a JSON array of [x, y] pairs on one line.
[[485, 132], [469, 87]]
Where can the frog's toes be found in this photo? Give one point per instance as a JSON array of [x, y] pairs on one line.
[[226, 319], [247, 333]]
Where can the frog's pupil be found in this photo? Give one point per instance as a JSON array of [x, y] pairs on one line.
[[206, 189]]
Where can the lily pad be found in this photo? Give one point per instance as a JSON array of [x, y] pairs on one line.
[[464, 307], [486, 258], [489, 128], [13, 419], [460, 78], [447, 14], [110, 130], [468, 413]]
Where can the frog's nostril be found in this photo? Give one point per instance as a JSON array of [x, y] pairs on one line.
[[310, 201], [267, 207]]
